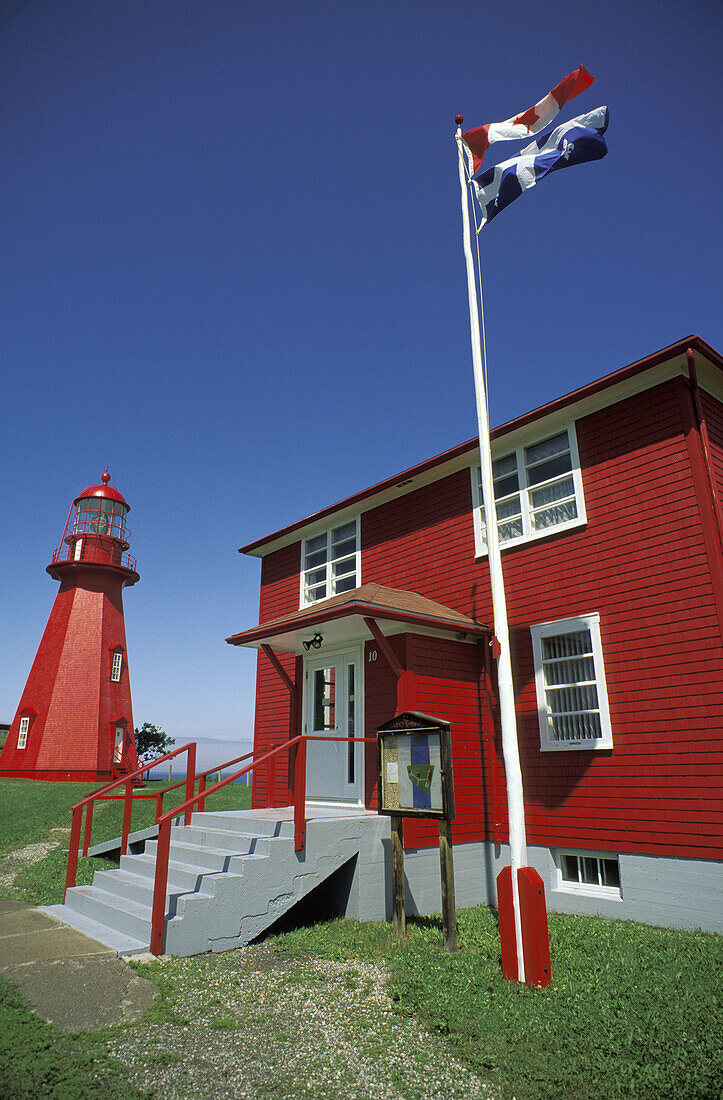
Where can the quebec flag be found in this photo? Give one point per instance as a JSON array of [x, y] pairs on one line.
[[579, 140]]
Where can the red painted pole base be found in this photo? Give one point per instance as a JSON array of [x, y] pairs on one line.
[[533, 917]]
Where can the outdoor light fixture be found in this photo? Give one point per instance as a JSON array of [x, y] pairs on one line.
[[315, 642]]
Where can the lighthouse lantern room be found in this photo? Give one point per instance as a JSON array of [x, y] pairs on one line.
[[74, 720]]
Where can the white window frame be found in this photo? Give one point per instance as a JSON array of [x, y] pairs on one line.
[[528, 533], [556, 628], [23, 732], [329, 581], [589, 889], [116, 666]]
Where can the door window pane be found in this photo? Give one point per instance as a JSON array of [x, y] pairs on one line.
[[324, 698]]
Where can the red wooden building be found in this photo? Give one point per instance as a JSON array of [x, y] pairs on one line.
[[74, 720], [609, 515]]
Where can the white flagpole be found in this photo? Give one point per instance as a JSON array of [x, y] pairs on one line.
[[508, 721]]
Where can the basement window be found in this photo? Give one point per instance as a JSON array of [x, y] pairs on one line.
[[589, 873]]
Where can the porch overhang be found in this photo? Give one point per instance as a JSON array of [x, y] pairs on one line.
[[340, 620]]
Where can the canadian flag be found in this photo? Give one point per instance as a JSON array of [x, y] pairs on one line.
[[529, 122]]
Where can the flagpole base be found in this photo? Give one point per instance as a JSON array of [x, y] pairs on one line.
[[533, 918]]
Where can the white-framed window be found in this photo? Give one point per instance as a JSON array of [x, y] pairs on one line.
[[590, 873], [538, 491], [23, 732], [116, 665], [330, 563], [572, 699]]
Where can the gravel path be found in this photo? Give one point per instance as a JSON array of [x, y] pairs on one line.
[[257, 1025]]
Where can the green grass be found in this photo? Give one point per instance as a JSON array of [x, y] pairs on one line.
[[37, 1059], [29, 809], [632, 1011]]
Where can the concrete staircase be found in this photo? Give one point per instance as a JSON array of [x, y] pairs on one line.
[[231, 875]]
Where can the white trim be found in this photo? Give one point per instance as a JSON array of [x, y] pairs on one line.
[[23, 732], [330, 590], [528, 533], [590, 622], [588, 889]]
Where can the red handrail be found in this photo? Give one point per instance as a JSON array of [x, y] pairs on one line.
[[88, 802], [158, 916]]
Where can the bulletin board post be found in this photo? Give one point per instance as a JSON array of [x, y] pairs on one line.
[[414, 766]]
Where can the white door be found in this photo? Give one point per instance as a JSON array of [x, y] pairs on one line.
[[118, 744], [333, 708]]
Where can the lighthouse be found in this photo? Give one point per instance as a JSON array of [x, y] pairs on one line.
[[74, 720]]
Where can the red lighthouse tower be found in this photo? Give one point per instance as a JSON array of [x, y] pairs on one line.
[[75, 721]]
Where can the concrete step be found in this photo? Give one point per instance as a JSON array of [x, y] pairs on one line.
[[109, 937], [181, 876], [193, 855], [254, 822], [221, 839], [131, 887], [120, 914]]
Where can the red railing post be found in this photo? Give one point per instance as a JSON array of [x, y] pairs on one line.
[[158, 913], [88, 827], [300, 795], [201, 789], [190, 779], [127, 809], [73, 845]]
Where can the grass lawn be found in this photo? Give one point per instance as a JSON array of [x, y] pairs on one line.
[[632, 1011], [39, 1060]]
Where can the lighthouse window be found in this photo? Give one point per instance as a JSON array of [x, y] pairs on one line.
[[23, 732], [115, 672], [100, 516]]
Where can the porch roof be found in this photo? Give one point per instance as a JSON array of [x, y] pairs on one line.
[[342, 617]]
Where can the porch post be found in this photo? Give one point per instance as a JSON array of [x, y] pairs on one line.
[[403, 675], [293, 720]]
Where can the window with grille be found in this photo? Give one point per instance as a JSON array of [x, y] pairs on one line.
[[572, 698], [589, 873], [116, 666], [23, 732], [330, 563], [538, 491]]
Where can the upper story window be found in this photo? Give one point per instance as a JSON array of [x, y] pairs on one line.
[[330, 563], [572, 701], [116, 665], [538, 491]]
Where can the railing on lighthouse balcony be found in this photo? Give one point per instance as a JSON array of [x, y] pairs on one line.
[[96, 531]]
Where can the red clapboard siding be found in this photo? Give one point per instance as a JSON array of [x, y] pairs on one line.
[[640, 562]]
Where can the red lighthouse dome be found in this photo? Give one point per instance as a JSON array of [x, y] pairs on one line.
[[74, 720]]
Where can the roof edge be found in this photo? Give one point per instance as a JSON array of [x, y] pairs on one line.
[[357, 607], [590, 389]]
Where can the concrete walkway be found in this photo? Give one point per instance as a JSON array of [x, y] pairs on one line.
[[70, 980]]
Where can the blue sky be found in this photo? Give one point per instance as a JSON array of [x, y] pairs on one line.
[[232, 271]]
